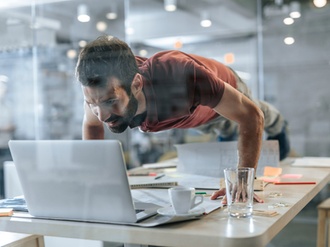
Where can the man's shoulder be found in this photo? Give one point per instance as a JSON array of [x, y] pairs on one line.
[[167, 55], [167, 65]]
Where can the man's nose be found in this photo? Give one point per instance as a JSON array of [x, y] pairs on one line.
[[103, 114]]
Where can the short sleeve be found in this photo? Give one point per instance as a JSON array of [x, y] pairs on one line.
[[207, 87]]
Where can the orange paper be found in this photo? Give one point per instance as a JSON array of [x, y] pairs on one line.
[[6, 211], [270, 171]]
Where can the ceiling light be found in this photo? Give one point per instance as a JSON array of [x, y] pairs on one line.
[[206, 23], [288, 21], [229, 58], [178, 44], [4, 78], [129, 31], [289, 40], [295, 10], [170, 5], [83, 13], [82, 43], [205, 20], [143, 53], [320, 3], [71, 53], [101, 26], [111, 15]]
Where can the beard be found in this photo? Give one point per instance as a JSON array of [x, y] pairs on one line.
[[122, 122]]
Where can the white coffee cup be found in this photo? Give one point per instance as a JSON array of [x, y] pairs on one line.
[[184, 199]]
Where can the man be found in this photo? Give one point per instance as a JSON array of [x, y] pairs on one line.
[[169, 90]]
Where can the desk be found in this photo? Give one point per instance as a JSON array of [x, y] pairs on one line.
[[215, 229]]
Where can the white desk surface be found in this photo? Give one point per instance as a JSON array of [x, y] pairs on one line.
[[215, 229]]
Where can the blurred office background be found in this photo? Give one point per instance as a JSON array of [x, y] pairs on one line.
[[283, 57], [281, 48]]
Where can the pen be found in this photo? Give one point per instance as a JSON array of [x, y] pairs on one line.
[[160, 176], [289, 183], [200, 193], [151, 174]]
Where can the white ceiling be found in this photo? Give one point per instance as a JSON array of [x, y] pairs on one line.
[[156, 27], [152, 25], [147, 17]]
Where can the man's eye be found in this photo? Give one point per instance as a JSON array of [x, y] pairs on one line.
[[110, 101]]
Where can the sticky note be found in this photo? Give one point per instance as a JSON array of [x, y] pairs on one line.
[[270, 171], [6, 211]]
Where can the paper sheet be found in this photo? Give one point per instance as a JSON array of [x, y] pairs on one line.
[[164, 164], [196, 181], [161, 198], [172, 179], [156, 196], [312, 162], [210, 158]]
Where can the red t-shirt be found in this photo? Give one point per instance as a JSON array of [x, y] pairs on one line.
[[181, 89]]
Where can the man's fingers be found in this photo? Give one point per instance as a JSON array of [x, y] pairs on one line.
[[257, 198], [222, 192], [224, 200], [218, 193]]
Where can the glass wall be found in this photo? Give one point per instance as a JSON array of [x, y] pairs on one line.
[[223, 30], [41, 39], [296, 66], [284, 61], [39, 45]]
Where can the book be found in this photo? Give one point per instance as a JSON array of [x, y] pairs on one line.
[[16, 203], [164, 164], [137, 182]]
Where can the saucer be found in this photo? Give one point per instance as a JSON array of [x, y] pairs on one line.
[[169, 211]]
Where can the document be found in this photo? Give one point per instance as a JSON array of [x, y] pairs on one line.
[[312, 162], [210, 158], [196, 181], [163, 164], [172, 179], [164, 181], [161, 198]]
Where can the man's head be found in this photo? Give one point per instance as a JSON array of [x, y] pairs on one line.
[[106, 57], [107, 71]]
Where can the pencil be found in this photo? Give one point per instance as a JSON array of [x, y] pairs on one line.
[[160, 176], [289, 183]]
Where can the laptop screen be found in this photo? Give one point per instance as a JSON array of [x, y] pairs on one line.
[[74, 179]]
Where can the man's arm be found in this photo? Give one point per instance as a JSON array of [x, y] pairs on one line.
[[237, 107], [92, 128]]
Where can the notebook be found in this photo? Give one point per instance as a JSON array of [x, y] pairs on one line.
[[138, 182], [77, 180]]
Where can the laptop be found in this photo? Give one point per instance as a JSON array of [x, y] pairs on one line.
[[84, 180]]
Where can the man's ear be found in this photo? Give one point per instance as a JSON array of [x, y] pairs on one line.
[[137, 84]]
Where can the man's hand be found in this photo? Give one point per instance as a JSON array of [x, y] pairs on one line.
[[222, 192]]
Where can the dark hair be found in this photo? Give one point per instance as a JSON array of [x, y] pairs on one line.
[[104, 57]]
